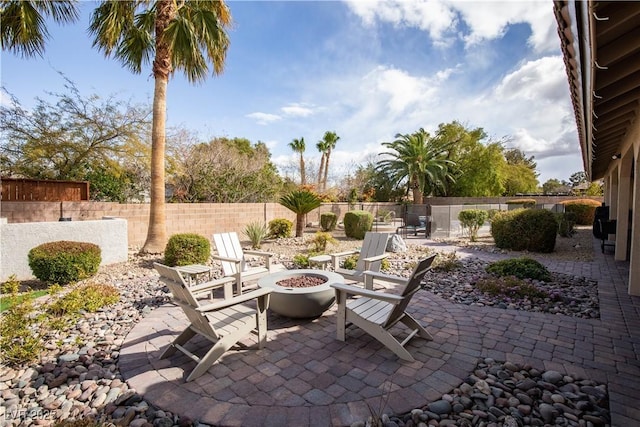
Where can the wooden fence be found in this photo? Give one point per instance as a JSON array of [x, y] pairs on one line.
[[38, 190]]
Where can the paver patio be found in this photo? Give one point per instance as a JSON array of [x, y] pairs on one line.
[[305, 376]]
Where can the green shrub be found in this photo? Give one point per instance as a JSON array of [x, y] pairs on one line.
[[446, 262], [19, 343], [349, 263], [320, 240], [90, 298], [357, 223], [533, 230], [491, 213], [256, 232], [187, 248], [510, 287], [583, 209], [522, 268], [526, 203], [566, 222], [328, 221], [472, 220], [64, 262], [301, 260], [280, 228]]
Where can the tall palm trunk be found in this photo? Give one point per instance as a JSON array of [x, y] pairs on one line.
[[417, 193], [157, 231], [326, 168], [303, 177], [320, 171]]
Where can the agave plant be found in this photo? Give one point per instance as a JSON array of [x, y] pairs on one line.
[[256, 232], [300, 202]]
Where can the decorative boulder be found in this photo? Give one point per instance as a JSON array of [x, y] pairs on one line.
[[396, 244]]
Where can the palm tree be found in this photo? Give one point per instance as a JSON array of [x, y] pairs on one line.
[[182, 36], [417, 162], [298, 146], [23, 29], [300, 202], [322, 148], [330, 139]]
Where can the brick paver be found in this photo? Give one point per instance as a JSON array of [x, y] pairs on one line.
[[305, 376]]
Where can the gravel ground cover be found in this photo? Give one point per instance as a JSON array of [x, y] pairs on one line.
[[77, 376]]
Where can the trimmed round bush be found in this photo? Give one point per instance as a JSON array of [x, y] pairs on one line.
[[187, 248], [583, 209], [328, 221], [522, 268], [280, 228], [64, 262], [472, 220], [534, 230], [357, 223]]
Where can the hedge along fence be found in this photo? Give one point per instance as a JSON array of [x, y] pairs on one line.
[[583, 209]]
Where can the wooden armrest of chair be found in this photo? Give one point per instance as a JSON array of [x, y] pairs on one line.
[[371, 260], [212, 284], [356, 290], [258, 293], [259, 253], [227, 259], [335, 258], [371, 276]]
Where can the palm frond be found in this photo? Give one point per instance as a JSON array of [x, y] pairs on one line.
[[23, 29]]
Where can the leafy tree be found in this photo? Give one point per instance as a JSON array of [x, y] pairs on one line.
[[515, 156], [519, 179], [300, 202], [478, 164], [73, 137], [416, 162], [554, 186], [226, 171], [298, 146], [594, 189], [23, 29], [519, 174], [577, 178], [178, 36]]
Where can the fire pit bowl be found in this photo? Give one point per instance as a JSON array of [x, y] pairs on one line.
[[301, 302]]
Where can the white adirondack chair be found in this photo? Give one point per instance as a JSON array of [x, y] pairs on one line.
[[234, 264], [376, 312], [223, 323], [370, 257]]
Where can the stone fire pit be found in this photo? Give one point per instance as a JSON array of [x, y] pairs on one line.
[[298, 301]]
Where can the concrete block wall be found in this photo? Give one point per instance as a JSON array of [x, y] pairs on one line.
[[17, 239], [202, 218]]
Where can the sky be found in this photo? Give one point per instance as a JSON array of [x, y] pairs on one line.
[[366, 70]]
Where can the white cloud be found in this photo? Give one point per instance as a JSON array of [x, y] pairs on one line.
[[264, 118], [441, 19], [544, 79], [297, 110], [434, 17]]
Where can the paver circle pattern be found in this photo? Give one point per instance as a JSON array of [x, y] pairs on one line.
[[302, 369]]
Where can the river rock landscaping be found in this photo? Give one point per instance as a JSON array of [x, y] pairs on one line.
[[77, 375]]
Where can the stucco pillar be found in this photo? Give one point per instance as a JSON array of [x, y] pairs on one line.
[[634, 259], [613, 192], [624, 204]]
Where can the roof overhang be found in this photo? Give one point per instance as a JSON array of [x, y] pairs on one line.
[[601, 47]]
